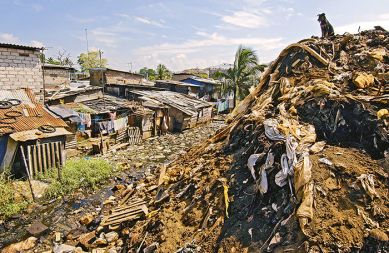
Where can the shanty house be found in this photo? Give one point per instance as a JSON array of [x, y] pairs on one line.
[[29, 134], [104, 76], [105, 116], [57, 76], [121, 90], [178, 111], [207, 87], [180, 87], [20, 67], [181, 76], [76, 92]]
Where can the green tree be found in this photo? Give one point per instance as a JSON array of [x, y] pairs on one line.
[[162, 73], [62, 59], [91, 60], [148, 73], [243, 75], [53, 61]]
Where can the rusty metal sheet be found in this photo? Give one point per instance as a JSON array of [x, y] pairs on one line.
[[33, 116], [36, 134]]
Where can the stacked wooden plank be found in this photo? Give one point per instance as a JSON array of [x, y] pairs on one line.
[[130, 210]]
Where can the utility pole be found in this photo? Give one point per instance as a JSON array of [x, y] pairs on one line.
[[130, 65], [86, 38], [43, 74], [102, 77]]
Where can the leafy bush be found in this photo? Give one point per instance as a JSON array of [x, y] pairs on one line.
[[9, 205], [78, 173]]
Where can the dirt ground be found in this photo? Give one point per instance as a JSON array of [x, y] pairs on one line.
[[62, 215]]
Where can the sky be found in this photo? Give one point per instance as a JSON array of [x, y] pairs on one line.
[[181, 34]]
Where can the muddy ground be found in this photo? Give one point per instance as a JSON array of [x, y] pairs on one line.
[[135, 162]]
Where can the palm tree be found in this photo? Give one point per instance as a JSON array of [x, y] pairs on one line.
[[242, 75], [162, 73]]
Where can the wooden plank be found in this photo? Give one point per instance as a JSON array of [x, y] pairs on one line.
[[125, 212], [128, 195], [34, 157], [49, 164], [44, 160], [39, 154], [128, 218], [60, 151], [30, 161], [58, 156], [52, 151]]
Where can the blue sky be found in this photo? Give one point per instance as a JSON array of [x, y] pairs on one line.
[[178, 33]]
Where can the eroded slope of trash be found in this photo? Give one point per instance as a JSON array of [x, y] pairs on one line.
[[302, 165]]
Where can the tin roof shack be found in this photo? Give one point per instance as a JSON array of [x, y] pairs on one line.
[[26, 125], [181, 76], [180, 87], [20, 67], [74, 93], [179, 111], [207, 87], [57, 76], [108, 115], [103, 76], [120, 90]]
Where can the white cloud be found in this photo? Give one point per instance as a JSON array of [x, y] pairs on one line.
[[144, 20], [101, 36], [148, 21], [245, 19], [36, 43], [181, 56], [9, 38], [81, 20], [383, 20], [211, 40]]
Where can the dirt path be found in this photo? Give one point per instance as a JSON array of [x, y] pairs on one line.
[[62, 215]]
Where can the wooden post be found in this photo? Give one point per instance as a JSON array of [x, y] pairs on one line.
[[57, 154], [28, 172]]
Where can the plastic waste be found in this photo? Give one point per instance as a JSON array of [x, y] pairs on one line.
[[367, 181], [271, 130], [325, 161], [251, 163]]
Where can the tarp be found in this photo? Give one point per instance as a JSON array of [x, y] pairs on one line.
[[63, 111]]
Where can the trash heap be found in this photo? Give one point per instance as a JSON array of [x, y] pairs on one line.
[[302, 165]]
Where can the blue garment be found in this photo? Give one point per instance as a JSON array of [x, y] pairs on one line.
[[81, 127]]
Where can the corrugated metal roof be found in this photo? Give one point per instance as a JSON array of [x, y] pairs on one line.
[[33, 116], [17, 94], [184, 103], [176, 83], [35, 134], [54, 66], [8, 45]]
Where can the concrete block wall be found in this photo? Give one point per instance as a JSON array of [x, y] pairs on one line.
[[56, 76], [21, 69]]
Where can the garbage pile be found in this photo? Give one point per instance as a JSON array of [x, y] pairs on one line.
[[302, 165]]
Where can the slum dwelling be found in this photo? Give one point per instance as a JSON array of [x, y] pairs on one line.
[[32, 140], [107, 118], [174, 111], [301, 167]]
